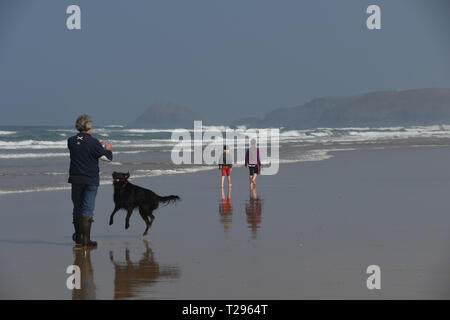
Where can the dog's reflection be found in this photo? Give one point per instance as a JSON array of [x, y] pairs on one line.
[[130, 277], [253, 210], [83, 261], [226, 210]]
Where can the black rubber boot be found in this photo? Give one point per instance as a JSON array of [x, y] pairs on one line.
[[76, 237], [86, 232]]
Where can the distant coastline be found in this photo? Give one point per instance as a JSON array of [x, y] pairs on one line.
[[375, 109], [415, 107]]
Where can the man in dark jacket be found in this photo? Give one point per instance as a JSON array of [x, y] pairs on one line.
[[85, 151]]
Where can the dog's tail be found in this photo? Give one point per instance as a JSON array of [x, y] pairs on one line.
[[169, 199]]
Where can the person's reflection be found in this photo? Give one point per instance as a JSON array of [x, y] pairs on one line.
[[130, 277], [226, 210], [83, 261], [253, 210]]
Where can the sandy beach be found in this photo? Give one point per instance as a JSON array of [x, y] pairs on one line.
[[311, 234]]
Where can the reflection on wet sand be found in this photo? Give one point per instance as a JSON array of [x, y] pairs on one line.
[[83, 260], [253, 210], [226, 211], [130, 277]]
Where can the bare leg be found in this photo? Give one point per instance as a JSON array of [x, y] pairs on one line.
[[223, 178], [252, 179], [229, 181]]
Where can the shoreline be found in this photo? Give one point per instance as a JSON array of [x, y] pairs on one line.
[[326, 153]]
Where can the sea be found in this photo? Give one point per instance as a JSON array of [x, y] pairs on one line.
[[36, 158]]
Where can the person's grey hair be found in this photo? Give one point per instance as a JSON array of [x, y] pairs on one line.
[[253, 142], [83, 123]]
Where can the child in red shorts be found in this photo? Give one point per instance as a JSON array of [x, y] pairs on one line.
[[225, 167]]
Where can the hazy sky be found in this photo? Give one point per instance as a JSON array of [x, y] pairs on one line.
[[225, 59]]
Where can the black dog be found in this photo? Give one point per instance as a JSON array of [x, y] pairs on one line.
[[129, 197]]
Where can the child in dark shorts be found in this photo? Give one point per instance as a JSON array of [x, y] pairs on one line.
[[253, 161]]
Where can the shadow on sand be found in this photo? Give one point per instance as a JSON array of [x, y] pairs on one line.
[[131, 277], [226, 211], [253, 211], [83, 261]]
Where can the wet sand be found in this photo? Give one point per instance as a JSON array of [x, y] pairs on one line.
[[310, 233]]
